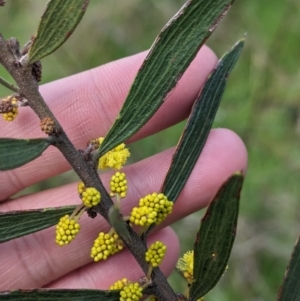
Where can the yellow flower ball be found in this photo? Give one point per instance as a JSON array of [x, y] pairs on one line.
[[118, 184], [66, 230], [90, 197], [131, 292], [143, 216], [153, 208], [80, 188], [105, 245], [118, 285], [156, 253]]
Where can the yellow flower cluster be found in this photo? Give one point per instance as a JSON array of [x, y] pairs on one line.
[[156, 253], [106, 244], [9, 108], [186, 265], [143, 216], [66, 230], [115, 158], [153, 208], [118, 184], [118, 285], [81, 188], [90, 196], [131, 292]]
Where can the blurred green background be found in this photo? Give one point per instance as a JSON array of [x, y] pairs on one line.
[[261, 104]]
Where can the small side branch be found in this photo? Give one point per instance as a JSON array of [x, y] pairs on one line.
[[8, 85]]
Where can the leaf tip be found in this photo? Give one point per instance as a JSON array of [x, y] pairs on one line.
[[238, 173]]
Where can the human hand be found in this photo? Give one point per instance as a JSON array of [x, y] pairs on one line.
[[86, 105]]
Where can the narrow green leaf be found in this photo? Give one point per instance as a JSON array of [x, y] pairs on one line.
[[172, 52], [199, 124], [290, 289], [117, 222], [15, 224], [58, 22], [17, 152], [60, 295], [215, 237]]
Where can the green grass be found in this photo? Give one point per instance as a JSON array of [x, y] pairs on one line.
[[261, 104]]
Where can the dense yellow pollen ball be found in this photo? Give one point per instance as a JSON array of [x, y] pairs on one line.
[[118, 285], [156, 253], [118, 184], [105, 245], [131, 292], [153, 208], [90, 197], [66, 230], [81, 187]]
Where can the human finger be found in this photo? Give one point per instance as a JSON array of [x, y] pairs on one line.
[[87, 103], [223, 154]]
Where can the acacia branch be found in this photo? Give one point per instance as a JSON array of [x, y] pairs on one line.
[[28, 88]]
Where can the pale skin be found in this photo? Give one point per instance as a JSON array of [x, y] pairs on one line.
[[86, 104]]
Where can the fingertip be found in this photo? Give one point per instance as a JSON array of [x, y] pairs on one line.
[[223, 155], [209, 57], [229, 148]]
